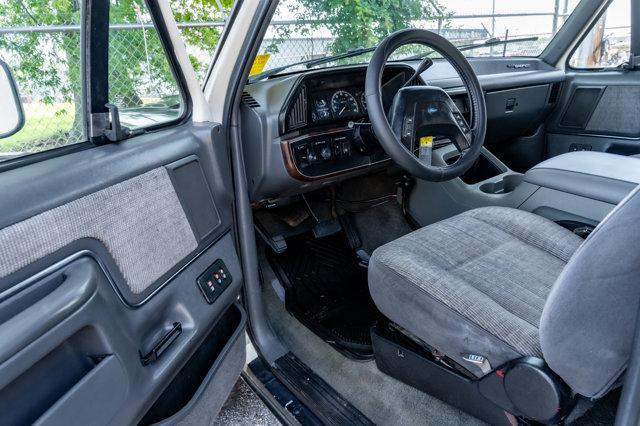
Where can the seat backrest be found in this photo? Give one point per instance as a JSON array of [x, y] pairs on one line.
[[589, 319]]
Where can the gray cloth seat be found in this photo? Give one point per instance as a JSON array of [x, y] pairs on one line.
[[473, 283], [505, 283]]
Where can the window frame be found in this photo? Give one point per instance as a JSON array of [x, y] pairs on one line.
[[634, 28], [97, 47]]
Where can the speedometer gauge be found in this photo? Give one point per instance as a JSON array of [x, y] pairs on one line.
[[343, 103]]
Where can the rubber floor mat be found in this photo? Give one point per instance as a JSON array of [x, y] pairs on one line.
[[326, 290]]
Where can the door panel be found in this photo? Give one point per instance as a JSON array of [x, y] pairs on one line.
[[598, 111], [100, 254]]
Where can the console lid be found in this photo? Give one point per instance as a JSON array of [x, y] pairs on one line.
[[596, 175]]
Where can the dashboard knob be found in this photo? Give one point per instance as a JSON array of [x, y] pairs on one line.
[[311, 156], [326, 153]]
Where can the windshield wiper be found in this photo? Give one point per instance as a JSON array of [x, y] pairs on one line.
[[487, 43], [348, 54], [310, 63]]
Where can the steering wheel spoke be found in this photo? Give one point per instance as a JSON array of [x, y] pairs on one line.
[[463, 137]]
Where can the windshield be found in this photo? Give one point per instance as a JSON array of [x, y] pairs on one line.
[[304, 30]]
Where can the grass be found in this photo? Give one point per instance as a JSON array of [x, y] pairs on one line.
[[42, 121]]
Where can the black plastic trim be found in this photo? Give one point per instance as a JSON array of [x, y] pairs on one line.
[[96, 55], [324, 401], [36, 157]]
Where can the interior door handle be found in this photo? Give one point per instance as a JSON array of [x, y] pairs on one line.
[[79, 284]]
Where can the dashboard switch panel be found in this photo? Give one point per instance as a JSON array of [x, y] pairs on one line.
[[320, 155], [214, 281]]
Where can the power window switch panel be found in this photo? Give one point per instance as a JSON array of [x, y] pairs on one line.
[[214, 281]]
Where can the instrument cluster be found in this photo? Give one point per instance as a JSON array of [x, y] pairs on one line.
[[341, 103]]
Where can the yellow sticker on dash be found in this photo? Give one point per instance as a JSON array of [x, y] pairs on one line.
[[426, 141], [259, 63]]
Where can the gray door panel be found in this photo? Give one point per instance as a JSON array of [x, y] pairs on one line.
[[100, 254], [598, 111]]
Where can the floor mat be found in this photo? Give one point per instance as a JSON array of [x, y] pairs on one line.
[[326, 289], [381, 398]]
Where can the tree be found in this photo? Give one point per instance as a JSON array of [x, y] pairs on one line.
[[363, 23]]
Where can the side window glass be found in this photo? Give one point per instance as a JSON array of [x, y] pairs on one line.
[[141, 82], [608, 43], [40, 42]]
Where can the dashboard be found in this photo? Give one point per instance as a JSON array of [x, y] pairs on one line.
[[307, 129]]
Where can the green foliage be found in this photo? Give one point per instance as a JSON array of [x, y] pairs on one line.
[[363, 23], [38, 58]]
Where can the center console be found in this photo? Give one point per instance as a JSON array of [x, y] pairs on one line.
[[576, 190], [489, 182]]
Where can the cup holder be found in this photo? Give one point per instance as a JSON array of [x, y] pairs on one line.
[[505, 185]]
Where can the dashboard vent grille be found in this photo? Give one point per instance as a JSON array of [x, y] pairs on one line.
[[554, 93], [297, 116], [249, 101]]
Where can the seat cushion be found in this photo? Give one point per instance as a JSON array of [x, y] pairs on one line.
[[474, 283]]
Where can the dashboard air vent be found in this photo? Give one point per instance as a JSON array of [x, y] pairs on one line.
[[554, 93], [249, 101], [297, 116]]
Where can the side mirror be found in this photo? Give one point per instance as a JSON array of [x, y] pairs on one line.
[[10, 105]]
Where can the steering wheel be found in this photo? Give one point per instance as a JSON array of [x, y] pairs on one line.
[[419, 111]]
